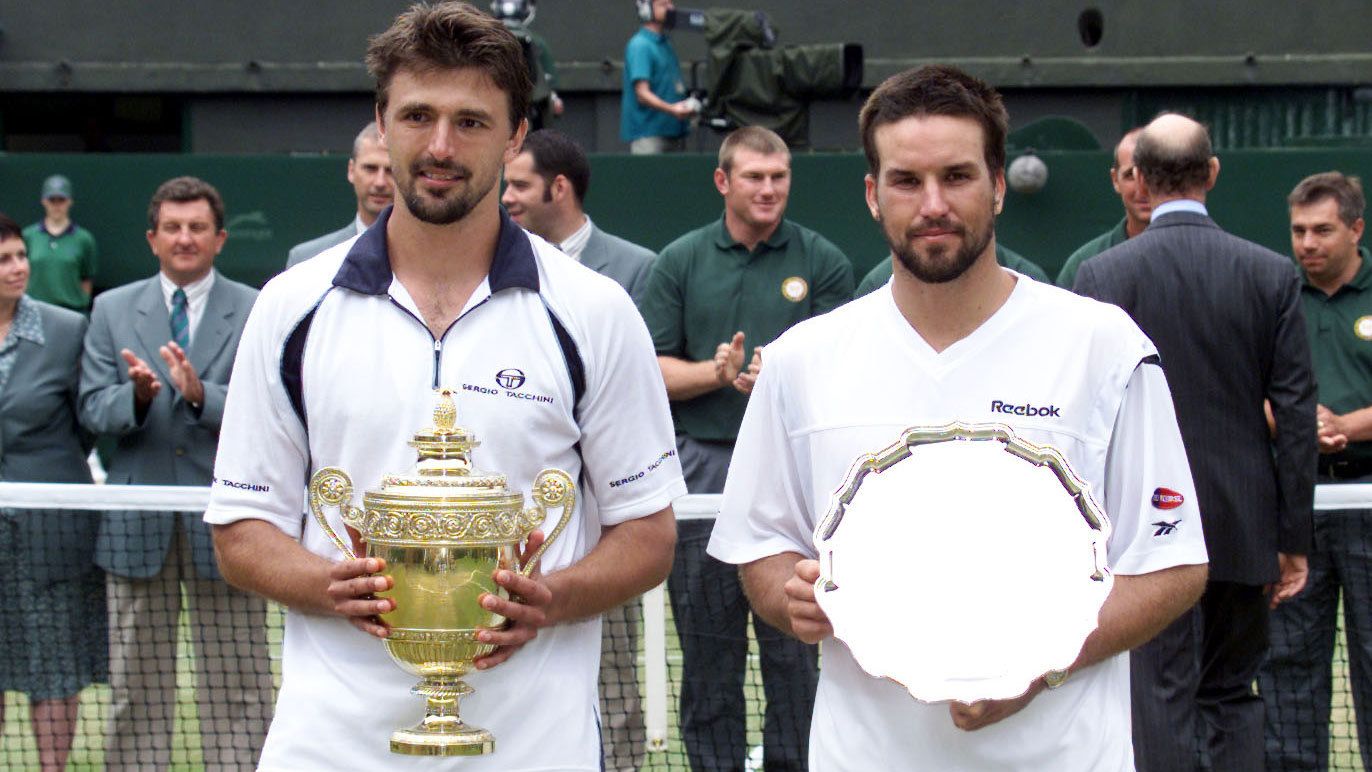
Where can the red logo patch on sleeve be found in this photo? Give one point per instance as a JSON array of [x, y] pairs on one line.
[[1166, 498]]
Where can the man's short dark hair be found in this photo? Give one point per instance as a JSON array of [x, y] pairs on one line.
[[184, 190], [9, 229], [556, 153], [450, 36], [1345, 190], [1174, 167], [936, 89]]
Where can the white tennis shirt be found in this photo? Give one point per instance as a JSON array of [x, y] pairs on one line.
[[1061, 370], [366, 370]]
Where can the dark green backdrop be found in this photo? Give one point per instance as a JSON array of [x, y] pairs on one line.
[[275, 202]]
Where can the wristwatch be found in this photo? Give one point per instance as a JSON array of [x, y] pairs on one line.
[[1055, 678]]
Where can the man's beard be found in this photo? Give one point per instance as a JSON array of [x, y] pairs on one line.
[[441, 211], [933, 269]]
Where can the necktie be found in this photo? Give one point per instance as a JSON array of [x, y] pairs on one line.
[[180, 321]]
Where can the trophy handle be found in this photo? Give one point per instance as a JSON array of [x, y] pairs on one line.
[[552, 488], [331, 487]]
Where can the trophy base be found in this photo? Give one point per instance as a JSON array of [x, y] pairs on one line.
[[453, 738]]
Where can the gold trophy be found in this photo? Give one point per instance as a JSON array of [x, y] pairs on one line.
[[443, 530]]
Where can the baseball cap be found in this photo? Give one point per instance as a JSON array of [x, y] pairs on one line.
[[56, 186]]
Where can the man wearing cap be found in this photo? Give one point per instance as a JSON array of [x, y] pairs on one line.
[[369, 171], [62, 254]]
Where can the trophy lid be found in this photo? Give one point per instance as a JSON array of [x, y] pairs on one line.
[[444, 468]]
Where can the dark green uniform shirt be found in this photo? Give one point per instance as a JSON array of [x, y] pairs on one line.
[[1090, 249], [881, 272], [1340, 330], [57, 264], [705, 286]]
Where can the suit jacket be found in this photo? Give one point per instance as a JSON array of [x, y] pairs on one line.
[[624, 261], [174, 444], [308, 249], [41, 441], [1225, 315]]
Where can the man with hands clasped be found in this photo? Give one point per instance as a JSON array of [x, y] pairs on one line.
[[1336, 295]]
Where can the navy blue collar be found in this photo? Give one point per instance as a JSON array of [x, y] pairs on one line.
[[367, 268], [70, 229]]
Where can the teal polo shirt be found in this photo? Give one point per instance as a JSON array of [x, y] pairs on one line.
[[1114, 237], [649, 56], [58, 263], [1340, 331], [1008, 258], [705, 286]]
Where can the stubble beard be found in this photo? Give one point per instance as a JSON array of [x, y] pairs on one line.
[[441, 211], [933, 267]]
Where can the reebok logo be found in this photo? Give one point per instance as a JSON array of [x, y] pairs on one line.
[[1044, 411], [1165, 528]]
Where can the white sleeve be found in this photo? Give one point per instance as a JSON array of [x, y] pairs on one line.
[[260, 468], [765, 509], [1148, 492], [627, 441]]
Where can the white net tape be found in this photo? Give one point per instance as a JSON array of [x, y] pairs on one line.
[[156, 498]]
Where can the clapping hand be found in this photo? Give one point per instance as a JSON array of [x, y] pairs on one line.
[[145, 382], [182, 372], [729, 360]]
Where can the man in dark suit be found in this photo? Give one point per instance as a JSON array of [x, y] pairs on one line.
[[1225, 315], [369, 171], [154, 374], [545, 192]]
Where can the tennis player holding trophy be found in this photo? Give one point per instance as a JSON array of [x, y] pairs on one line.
[[551, 366], [969, 486]]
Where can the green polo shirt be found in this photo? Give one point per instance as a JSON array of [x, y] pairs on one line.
[[705, 286], [57, 264], [1068, 275], [1340, 330], [881, 272]]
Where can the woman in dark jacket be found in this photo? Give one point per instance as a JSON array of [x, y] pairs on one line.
[[52, 641]]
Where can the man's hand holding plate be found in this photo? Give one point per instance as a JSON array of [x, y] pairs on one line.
[[809, 623], [984, 713]]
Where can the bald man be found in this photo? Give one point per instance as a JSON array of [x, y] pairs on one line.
[[1225, 315], [369, 172]]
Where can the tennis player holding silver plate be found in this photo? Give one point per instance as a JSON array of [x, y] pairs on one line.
[[1037, 578], [992, 467]]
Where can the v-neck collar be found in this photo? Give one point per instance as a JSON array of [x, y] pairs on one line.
[[940, 362]]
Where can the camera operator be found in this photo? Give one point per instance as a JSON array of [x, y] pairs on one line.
[[654, 109]]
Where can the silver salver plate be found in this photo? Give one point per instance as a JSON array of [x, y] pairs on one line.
[[963, 562]]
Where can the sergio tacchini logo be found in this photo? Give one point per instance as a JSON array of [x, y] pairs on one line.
[[510, 378]]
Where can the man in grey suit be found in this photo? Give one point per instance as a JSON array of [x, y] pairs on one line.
[[1225, 315], [154, 374], [545, 191], [369, 171]]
